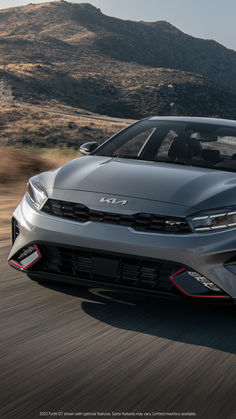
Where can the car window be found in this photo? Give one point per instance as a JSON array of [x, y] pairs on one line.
[[226, 145], [166, 143], [135, 145], [179, 142]]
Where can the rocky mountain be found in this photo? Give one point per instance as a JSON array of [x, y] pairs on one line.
[[72, 54]]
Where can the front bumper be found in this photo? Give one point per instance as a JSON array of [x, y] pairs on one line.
[[206, 253]]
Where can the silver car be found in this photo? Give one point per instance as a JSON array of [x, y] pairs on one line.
[[152, 209]]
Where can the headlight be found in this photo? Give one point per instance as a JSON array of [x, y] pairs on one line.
[[36, 192], [217, 220]]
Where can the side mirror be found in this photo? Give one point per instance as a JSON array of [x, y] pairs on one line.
[[88, 147]]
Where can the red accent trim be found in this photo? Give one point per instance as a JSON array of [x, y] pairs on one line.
[[32, 263], [192, 295]]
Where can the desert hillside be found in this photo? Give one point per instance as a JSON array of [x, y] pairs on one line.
[[73, 55], [49, 127]]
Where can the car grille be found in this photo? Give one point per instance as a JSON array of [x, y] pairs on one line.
[[140, 221], [107, 267]]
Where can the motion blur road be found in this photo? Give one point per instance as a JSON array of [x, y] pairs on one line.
[[68, 349]]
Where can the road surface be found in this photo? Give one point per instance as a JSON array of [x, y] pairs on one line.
[[72, 350]]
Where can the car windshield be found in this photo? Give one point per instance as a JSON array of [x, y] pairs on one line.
[[190, 143]]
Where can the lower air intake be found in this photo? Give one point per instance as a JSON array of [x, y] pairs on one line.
[[107, 267]]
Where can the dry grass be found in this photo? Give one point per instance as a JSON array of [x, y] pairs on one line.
[[32, 125], [9, 199], [16, 167]]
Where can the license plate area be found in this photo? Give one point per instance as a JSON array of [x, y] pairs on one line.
[[105, 267]]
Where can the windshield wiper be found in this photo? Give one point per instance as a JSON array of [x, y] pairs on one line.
[[222, 168], [102, 155], [174, 162], [120, 156]]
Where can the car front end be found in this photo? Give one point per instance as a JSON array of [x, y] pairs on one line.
[[113, 222]]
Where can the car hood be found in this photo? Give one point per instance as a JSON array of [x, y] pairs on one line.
[[187, 186]]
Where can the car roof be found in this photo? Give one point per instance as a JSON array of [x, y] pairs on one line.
[[200, 120]]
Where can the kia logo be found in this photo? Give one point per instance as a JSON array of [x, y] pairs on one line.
[[113, 201]]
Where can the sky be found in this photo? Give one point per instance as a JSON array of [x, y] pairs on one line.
[[209, 19]]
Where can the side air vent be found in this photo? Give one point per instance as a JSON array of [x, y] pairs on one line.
[[15, 229]]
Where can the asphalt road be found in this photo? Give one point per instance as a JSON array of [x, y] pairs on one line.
[[68, 349]]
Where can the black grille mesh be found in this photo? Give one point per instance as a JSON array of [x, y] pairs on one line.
[[107, 267], [140, 221]]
